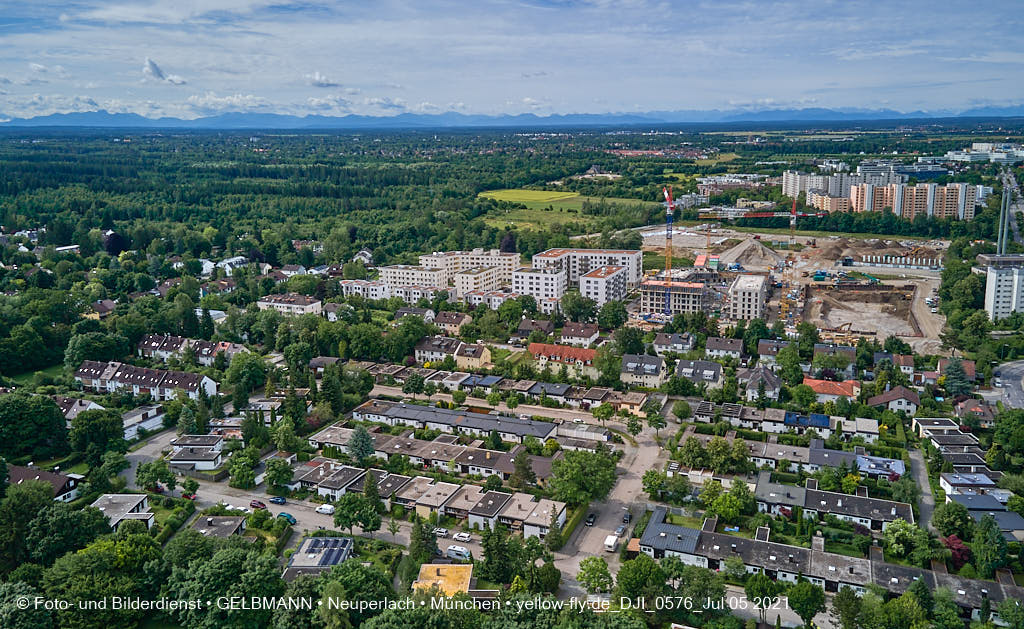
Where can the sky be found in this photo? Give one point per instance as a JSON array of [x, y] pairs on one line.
[[194, 58]]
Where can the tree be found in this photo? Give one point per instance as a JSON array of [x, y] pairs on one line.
[[807, 600], [522, 472], [845, 609], [603, 412], [360, 446], [762, 592], [333, 616], [1010, 610], [13, 617], [657, 422], [956, 382], [681, 409], [95, 432], [393, 527], [640, 578], [654, 483], [633, 425], [612, 315], [803, 395], [629, 341], [372, 493], [22, 504], [578, 308], [148, 475], [190, 486], [581, 476], [31, 426], [952, 518], [594, 575], [413, 384], [988, 547], [351, 510], [59, 529], [923, 593], [459, 397], [554, 539], [279, 472], [899, 537]]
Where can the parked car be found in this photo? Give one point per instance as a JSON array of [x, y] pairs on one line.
[[288, 517], [159, 489], [440, 532], [626, 519], [278, 500], [619, 532], [256, 504], [188, 496], [457, 552], [234, 508], [591, 519], [325, 509], [461, 537]]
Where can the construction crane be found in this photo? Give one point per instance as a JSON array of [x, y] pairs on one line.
[[669, 212]]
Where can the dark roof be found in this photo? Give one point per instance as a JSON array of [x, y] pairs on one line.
[[821, 456], [896, 393], [579, 330], [490, 504], [978, 502], [447, 317], [858, 506], [723, 344], [770, 347], [699, 370], [549, 388], [17, 474], [642, 364], [663, 536]]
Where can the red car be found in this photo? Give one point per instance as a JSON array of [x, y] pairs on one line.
[[256, 504], [158, 489], [188, 496]]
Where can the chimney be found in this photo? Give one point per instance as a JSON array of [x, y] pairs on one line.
[[209, 521]]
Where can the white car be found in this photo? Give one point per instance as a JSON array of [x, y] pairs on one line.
[[325, 509], [440, 532], [242, 509], [461, 537]]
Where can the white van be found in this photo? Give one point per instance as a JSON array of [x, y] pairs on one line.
[[457, 552], [325, 509], [611, 543]]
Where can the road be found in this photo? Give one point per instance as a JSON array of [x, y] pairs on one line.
[[1011, 374], [151, 451], [1011, 182], [931, 324], [927, 503]]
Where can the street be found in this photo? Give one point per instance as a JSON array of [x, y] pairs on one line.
[[1011, 375], [927, 503]]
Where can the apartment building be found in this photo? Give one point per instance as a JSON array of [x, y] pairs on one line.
[[542, 283], [604, 284], [683, 297], [412, 275], [160, 384], [290, 304], [955, 200], [826, 203], [747, 296], [1004, 284], [579, 262], [367, 289], [451, 262], [479, 278], [836, 185]]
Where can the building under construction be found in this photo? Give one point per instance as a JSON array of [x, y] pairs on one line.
[[685, 297]]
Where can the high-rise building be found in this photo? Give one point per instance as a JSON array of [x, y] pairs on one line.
[[684, 297], [836, 185], [1004, 284], [579, 262], [452, 262], [747, 296], [406, 274], [604, 284], [544, 283], [955, 200], [481, 278]]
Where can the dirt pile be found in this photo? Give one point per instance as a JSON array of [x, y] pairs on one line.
[[854, 247], [750, 254]]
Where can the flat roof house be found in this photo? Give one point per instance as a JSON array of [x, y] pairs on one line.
[[462, 501], [516, 510], [316, 555], [433, 499], [484, 514], [221, 526], [121, 507], [538, 522]]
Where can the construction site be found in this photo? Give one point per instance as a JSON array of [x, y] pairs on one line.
[[848, 287]]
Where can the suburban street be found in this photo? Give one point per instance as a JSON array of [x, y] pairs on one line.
[[927, 502], [1011, 374]]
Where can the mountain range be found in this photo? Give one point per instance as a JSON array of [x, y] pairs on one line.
[[255, 120]]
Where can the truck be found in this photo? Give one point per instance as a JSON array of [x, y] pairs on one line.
[[611, 543]]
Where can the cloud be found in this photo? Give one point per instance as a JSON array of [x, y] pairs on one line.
[[385, 103], [38, 67], [533, 103], [330, 102], [534, 75], [152, 71], [318, 80], [211, 102]]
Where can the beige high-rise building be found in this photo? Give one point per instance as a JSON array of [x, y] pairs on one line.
[[826, 203], [481, 278], [452, 262], [954, 200], [747, 296], [409, 275], [579, 262], [683, 297]]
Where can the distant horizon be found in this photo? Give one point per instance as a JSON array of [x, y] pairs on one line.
[[193, 59], [453, 119]]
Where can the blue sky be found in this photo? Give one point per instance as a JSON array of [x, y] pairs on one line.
[[190, 58]]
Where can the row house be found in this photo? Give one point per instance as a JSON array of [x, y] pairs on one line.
[[160, 384], [672, 343], [641, 370], [579, 361]]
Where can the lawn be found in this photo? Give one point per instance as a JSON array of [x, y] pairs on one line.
[[655, 261], [519, 195], [682, 520], [24, 379], [722, 157], [565, 207]]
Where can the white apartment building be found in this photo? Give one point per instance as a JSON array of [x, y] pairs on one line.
[[368, 289], [1004, 284], [412, 294], [543, 283], [604, 284], [747, 296], [410, 275], [485, 278], [452, 262], [493, 299], [836, 185], [290, 304], [683, 297], [579, 262]]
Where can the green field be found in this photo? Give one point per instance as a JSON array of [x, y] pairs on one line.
[[722, 157], [545, 207], [23, 379]]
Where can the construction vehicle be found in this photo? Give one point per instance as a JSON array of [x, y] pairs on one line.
[[872, 279]]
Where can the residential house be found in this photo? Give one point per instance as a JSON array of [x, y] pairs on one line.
[[965, 483], [484, 514], [641, 370], [472, 356], [896, 399], [718, 347], [579, 361], [768, 350], [317, 555], [101, 309], [831, 391], [145, 418], [65, 486], [221, 526], [538, 522], [581, 334], [528, 326], [451, 322], [676, 343], [424, 313], [978, 411], [434, 498], [436, 348], [759, 379], [337, 484], [157, 383], [70, 407], [119, 508], [700, 372], [290, 304], [462, 501]]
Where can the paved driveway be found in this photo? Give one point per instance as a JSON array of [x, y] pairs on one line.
[[927, 504]]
